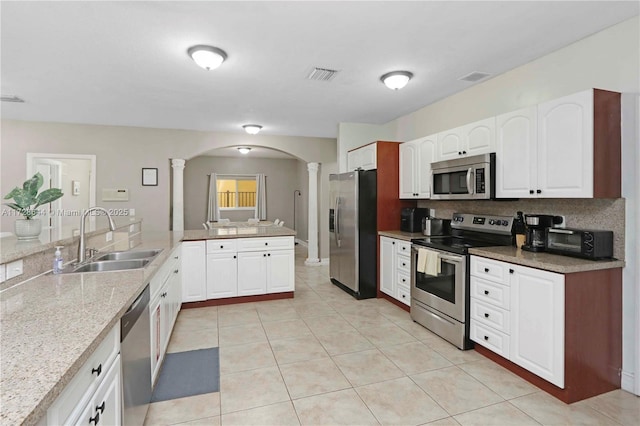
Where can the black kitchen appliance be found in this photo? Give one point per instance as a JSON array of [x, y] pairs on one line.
[[536, 227], [589, 244], [411, 219]]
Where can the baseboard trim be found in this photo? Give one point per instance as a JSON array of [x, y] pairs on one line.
[[324, 261], [301, 242], [628, 383], [312, 262]]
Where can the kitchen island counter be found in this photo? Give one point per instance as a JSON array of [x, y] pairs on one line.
[[238, 230], [545, 261]]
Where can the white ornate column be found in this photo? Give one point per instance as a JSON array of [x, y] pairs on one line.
[[178, 194], [312, 249]]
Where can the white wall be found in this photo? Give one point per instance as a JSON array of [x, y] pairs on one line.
[[607, 60], [122, 152]]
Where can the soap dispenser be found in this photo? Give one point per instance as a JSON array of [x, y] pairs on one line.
[[57, 260]]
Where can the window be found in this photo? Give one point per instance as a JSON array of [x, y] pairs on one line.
[[236, 193]]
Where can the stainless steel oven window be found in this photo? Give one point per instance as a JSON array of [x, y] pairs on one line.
[[446, 292]]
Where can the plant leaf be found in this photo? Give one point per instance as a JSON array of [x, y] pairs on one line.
[[14, 206], [48, 196], [23, 199], [12, 193], [32, 185]]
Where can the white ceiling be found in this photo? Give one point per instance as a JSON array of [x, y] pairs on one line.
[[256, 152], [125, 63]]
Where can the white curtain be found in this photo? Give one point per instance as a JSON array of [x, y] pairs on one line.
[[213, 210], [261, 196]]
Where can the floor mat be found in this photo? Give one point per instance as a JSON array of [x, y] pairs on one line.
[[187, 374]]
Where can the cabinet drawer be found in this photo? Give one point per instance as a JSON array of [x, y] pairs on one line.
[[491, 339], [491, 316], [253, 244], [403, 280], [404, 264], [403, 247], [221, 246], [490, 292], [490, 269], [403, 295], [66, 408]]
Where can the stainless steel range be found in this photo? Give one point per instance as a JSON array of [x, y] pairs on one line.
[[440, 273]]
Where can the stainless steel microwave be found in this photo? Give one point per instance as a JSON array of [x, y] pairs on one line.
[[468, 178]]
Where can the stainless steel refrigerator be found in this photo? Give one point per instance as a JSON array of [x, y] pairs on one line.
[[352, 232]]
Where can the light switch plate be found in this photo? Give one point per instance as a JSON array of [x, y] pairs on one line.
[[109, 236], [3, 277], [14, 269], [132, 212]]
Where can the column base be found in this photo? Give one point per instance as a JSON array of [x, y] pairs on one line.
[[312, 262]]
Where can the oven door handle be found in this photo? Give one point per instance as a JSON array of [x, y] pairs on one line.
[[469, 186], [451, 258], [336, 233]]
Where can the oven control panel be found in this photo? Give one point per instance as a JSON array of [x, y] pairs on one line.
[[483, 223]]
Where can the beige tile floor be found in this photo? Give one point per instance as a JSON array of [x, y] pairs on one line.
[[324, 358]]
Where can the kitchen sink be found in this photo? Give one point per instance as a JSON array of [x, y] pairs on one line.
[[129, 255], [112, 265], [115, 261]]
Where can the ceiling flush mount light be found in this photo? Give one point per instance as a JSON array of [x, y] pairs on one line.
[[208, 57], [252, 129], [397, 79], [244, 149]]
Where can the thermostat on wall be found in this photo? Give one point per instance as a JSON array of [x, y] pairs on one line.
[[115, 194]]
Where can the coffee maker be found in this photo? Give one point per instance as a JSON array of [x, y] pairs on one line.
[[536, 226]]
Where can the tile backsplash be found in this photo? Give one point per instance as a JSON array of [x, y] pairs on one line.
[[607, 214]]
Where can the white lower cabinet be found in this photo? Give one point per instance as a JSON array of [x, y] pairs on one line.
[[106, 405], [249, 266], [194, 277], [166, 299], [395, 269], [95, 390], [518, 313]]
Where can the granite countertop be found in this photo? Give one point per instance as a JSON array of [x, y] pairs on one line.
[[238, 230], [401, 235], [546, 261], [51, 324], [12, 249]]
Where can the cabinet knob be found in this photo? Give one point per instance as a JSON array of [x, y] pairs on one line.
[[404, 296], [393, 243], [98, 370], [175, 271], [264, 255], [95, 420], [268, 254], [511, 271], [404, 264], [100, 407], [538, 191], [464, 152], [486, 269], [486, 292], [531, 191], [486, 337], [459, 152], [404, 280], [176, 257], [486, 315], [221, 246], [234, 257], [266, 244]]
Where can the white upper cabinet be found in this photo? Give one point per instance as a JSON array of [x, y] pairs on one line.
[[471, 139], [565, 147], [547, 151], [516, 154], [362, 158], [415, 167], [479, 137]]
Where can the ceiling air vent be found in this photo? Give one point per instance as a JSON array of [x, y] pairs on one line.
[[475, 76], [322, 74], [10, 98]]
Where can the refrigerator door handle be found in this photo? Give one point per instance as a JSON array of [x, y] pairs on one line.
[[336, 232]]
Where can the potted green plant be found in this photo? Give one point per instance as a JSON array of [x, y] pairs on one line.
[[26, 202]]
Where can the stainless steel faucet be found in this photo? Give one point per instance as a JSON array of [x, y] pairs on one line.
[[81, 245]]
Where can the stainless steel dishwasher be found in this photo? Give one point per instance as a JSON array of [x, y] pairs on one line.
[[135, 352]]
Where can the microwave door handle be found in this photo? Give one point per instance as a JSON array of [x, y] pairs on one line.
[[469, 186]]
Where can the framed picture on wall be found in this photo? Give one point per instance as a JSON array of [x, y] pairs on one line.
[[149, 177]]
